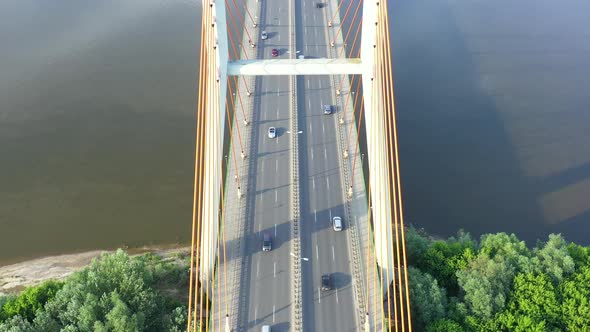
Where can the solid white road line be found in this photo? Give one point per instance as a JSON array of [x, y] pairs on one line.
[[333, 256], [325, 153], [255, 313], [275, 230], [308, 83], [275, 269], [315, 215], [311, 153], [319, 296], [278, 94], [310, 127], [330, 215], [336, 288], [309, 103], [328, 182], [323, 128], [276, 196], [317, 253], [320, 82], [277, 166], [273, 313], [313, 183], [257, 268], [259, 229]]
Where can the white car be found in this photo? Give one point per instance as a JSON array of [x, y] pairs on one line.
[[264, 35], [272, 132], [337, 224]]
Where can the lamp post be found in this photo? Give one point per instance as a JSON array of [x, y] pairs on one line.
[[302, 258]]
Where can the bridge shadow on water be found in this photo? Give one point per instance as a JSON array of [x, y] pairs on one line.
[[460, 166]]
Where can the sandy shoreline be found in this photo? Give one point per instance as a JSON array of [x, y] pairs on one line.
[[15, 277]]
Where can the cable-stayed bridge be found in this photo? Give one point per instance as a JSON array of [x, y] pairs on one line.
[[297, 218]]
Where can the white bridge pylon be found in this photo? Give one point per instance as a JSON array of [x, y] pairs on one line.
[[215, 47]]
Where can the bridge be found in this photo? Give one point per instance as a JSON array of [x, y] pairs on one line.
[[295, 130]]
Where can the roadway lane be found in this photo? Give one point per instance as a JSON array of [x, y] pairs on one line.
[[269, 272], [321, 191]]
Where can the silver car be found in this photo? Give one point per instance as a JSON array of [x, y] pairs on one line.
[[272, 132], [327, 109]]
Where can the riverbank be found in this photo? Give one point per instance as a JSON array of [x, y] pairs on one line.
[[16, 277]]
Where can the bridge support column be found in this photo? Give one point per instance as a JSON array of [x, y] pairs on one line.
[[376, 146], [216, 90]]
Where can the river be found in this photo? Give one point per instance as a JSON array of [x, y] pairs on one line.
[[97, 108]]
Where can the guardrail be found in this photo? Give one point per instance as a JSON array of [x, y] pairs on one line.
[[353, 236], [296, 288]]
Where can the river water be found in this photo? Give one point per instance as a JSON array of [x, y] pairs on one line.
[[97, 105]]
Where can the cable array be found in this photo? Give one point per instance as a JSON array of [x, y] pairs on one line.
[[398, 312], [395, 308]]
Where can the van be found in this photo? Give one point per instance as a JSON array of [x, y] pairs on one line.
[[337, 224], [265, 328]]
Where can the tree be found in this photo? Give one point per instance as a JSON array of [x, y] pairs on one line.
[[16, 324], [44, 322], [428, 300], [443, 258], [177, 320], [485, 285], [30, 300], [444, 325], [121, 319], [555, 259], [111, 287], [580, 255], [532, 306], [416, 245], [575, 300], [511, 249]]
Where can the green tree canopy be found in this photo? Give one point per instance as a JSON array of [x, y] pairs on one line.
[[428, 300], [444, 325], [100, 295], [416, 245], [485, 284], [30, 300], [575, 298], [443, 258], [511, 250], [532, 306], [555, 258]]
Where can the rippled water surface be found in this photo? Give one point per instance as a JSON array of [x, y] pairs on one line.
[[493, 104], [97, 102]]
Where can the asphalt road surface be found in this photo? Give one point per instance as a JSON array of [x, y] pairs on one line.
[[322, 193], [268, 273]]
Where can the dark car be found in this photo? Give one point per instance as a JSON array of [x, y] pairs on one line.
[[326, 282], [319, 5], [267, 242], [274, 52], [327, 109]]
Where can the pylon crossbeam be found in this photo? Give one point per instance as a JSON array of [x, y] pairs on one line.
[[290, 67]]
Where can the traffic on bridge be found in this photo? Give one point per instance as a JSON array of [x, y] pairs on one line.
[[297, 218]]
